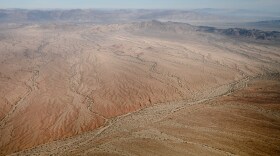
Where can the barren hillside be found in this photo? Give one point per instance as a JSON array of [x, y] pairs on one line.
[[66, 80], [243, 122]]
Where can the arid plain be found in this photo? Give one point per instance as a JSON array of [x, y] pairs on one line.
[[138, 88]]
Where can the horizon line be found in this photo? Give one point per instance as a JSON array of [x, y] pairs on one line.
[[126, 8]]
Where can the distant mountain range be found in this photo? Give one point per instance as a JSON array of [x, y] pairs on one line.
[[104, 16], [175, 27], [247, 33], [243, 13], [122, 15], [266, 23], [207, 16]]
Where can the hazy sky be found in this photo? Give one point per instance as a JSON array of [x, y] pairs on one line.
[[164, 4]]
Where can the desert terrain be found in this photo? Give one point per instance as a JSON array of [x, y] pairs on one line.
[[243, 122], [138, 88]]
